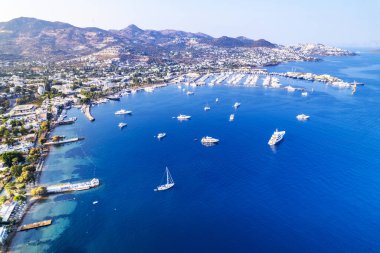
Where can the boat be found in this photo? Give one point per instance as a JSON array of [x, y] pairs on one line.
[[123, 112], [161, 135], [232, 117], [122, 124], [149, 89], [236, 105], [114, 98], [183, 117], [207, 107], [303, 117], [209, 140], [277, 136], [189, 93], [95, 202], [169, 182], [304, 94], [217, 100]]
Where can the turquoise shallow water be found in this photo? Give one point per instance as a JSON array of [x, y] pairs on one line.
[[318, 191]]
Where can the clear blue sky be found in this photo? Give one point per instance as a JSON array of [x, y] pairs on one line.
[[334, 22]]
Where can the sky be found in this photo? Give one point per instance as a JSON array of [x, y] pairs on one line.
[[346, 23]]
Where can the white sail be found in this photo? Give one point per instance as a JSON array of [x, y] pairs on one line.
[[169, 181]]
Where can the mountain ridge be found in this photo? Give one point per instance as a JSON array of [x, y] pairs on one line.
[[33, 38]]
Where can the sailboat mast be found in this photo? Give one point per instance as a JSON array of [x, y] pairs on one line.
[[167, 175]]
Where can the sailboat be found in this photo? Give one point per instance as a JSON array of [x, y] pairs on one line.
[[169, 182]]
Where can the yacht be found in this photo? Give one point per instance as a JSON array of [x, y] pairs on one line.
[[232, 117], [209, 140], [303, 117], [122, 124], [267, 81], [123, 112], [207, 107], [189, 93], [217, 100], [161, 135], [149, 89], [304, 94], [183, 117], [169, 182], [277, 136], [236, 105]]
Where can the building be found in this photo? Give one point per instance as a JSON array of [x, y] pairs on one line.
[[3, 235], [6, 210]]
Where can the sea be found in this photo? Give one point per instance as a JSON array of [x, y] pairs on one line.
[[317, 191]]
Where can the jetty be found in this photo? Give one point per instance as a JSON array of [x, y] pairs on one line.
[[34, 225], [49, 143], [87, 112], [68, 187]]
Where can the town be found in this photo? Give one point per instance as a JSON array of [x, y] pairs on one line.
[[35, 96]]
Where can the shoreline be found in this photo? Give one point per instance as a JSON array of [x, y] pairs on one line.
[[86, 109]]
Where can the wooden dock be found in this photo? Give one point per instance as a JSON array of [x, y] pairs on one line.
[[39, 224]]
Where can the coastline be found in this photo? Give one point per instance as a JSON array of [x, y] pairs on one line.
[[87, 112]]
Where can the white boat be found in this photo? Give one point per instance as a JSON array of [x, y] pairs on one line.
[[209, 140], [161, 135], [123, 112], [267, 81], [303, 117], [206, 108], [149, 89], [304, 94], [189, 93], [183, 117], [217, 100], [277, 136], [232, 117], [236, 105], [95, 202], [122, 124], [169, 182]]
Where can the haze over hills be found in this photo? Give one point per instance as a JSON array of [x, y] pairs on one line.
[[33, 38]]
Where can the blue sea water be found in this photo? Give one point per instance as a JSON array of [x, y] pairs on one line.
[[318, 191]]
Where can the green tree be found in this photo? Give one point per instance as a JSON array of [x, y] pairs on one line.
[[19, 198], [9, 157], [2, 199], [38, 191], [16, 170]]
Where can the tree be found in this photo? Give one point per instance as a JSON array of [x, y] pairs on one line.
[[34, 155], [25, 177], [38, 191], [56, 138], [2, 199], [16, 170], [11, 156], [29, 168], [19, 198], [45, 126]]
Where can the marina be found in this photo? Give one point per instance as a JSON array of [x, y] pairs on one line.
[[268, 183]]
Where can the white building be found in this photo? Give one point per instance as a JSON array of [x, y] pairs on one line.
[[3, 235]]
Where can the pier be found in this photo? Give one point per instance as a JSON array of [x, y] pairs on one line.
[[87, 112], [35, 225], [63, 141]]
